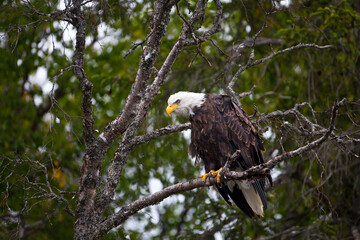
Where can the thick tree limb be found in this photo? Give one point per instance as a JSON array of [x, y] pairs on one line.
[[120, 157], [85, 84], [120, 124], [143, 105], [85, 219]]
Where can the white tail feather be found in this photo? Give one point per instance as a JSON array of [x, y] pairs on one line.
[[252, 198]]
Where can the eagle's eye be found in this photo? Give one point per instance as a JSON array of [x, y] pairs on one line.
[[177, 102]]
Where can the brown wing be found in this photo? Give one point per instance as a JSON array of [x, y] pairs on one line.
[[242, 136], [241, 133]]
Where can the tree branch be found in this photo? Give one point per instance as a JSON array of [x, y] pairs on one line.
[[138, 102], [85, 219], [197, 43], [120, 157], [251, 63], [158, 133], [127, 143]]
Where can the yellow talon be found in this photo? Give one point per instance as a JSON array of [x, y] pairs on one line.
[[216, 174], [204, 176], [213, 174]]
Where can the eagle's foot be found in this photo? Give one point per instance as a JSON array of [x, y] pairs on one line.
[[216, 174], [204, 176], [213, 174]]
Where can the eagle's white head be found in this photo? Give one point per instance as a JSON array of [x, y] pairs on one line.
[[183, 103]]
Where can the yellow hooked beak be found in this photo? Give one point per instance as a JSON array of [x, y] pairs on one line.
[[171, 108]]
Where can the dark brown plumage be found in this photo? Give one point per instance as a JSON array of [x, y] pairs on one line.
[[218, 129]]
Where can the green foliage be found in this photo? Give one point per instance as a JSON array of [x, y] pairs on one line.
[[53, 137]]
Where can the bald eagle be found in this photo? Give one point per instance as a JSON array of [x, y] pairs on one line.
[[219, 128]]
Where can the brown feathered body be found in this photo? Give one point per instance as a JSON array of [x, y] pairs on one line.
[[218, 129]]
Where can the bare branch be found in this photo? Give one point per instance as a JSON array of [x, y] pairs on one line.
[[274, 161], [216, 27], [198, 44], [251, 63], [55, 15], [42, 190], [120, 124], [158, 133], [300, 45], [138, 44], [138, 103], [259, 41], [245, 94], [292, 232]]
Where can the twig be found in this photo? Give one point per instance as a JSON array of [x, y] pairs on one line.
[[228, 163], [198, 43], [274, 161], [300, 45], [245, 94], [53, 15], [216, 27], [139, 43], [218, 48], [54, 80], [45, 190]]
